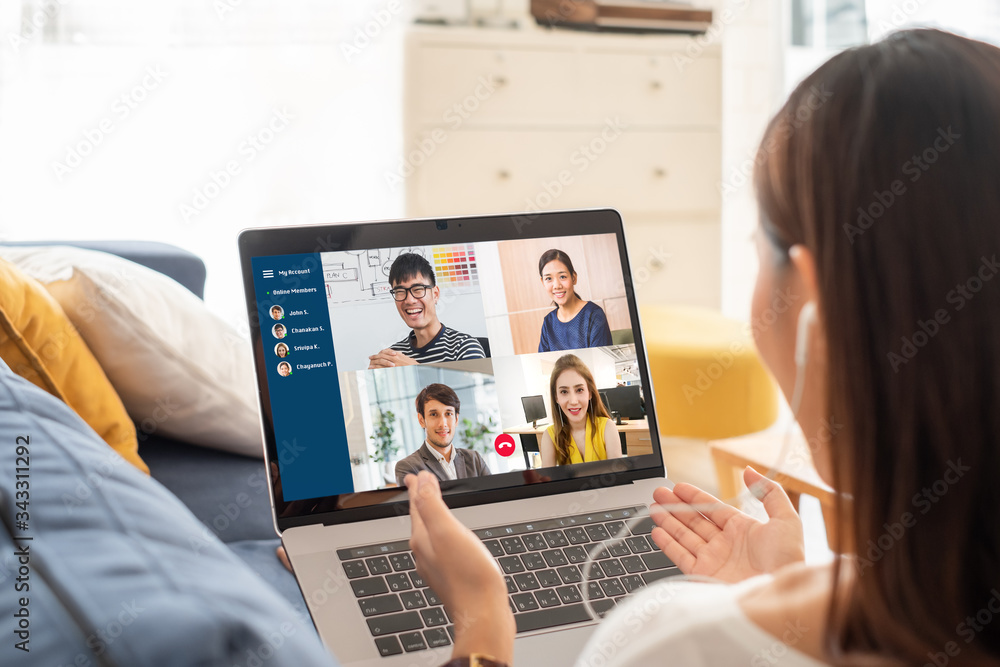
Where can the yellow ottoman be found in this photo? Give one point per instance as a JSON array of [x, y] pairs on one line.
[[708, 378]]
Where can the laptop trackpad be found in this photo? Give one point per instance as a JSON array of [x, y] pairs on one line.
[[552, 648]]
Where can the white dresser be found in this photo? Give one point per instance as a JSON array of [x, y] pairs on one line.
[[527, 119]]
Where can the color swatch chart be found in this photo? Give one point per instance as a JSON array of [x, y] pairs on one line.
[[455, 265]]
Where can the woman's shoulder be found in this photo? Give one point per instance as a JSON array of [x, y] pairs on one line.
[[794, 586], [550, 320], [593, 310], [606, 424], [795, 600]]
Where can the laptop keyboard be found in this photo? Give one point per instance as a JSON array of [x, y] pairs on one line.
[[541, 562]]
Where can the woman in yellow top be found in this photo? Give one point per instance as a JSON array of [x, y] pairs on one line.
[[582, 430]]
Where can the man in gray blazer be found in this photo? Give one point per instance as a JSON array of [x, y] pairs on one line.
[[437, 412]]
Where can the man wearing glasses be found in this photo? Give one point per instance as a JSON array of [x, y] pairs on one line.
[[416, 293]]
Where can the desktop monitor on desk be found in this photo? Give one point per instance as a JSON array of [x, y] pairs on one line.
[[626, 401], [534, 409]]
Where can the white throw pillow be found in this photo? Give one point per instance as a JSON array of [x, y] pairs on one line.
[[181, 371]]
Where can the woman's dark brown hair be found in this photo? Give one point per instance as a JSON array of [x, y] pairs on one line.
[[885, 164], [595, 408], [556, 255]]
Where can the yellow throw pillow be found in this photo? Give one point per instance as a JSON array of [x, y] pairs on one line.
[[40, 344]]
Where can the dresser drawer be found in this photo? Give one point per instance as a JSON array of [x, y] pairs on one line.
[[478, 171], [649, 171], [652, 89], [491, 86]]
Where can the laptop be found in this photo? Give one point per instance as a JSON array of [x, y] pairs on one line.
[[329, 305]]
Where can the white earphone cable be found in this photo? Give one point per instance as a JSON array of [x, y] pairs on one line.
[[806, 317]]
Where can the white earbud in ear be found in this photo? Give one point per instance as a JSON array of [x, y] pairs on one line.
[[807, 316]]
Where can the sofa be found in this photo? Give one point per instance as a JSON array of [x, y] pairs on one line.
[[226, 492]]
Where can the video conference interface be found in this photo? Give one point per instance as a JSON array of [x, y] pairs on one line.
[[467, 360]]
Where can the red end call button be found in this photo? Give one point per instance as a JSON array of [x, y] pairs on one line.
[[504, 444]]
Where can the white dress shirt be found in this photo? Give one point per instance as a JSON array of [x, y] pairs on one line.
[[449, 466]]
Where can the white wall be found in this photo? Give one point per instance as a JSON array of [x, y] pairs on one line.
[[226, 74], [228, 70], [751, 93], [223, 78], [979, 19]]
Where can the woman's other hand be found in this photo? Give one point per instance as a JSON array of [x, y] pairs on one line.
[[717, 540], [457, 565]]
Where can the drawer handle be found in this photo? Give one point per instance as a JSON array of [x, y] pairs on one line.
[[660, 172], [503, 175], [499, 81], [655, 85]]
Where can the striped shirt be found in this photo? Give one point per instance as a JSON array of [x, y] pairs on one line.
[[447, 345]]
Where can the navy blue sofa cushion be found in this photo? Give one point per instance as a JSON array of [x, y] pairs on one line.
[[119, 570], [228, 494], [225, 491]]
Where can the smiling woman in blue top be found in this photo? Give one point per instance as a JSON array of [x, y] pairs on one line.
[[575, 323]]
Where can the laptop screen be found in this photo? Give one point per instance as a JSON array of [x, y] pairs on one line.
[[382, 354]]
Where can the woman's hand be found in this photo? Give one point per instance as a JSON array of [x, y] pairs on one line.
[[457, 565], [720, 541]]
